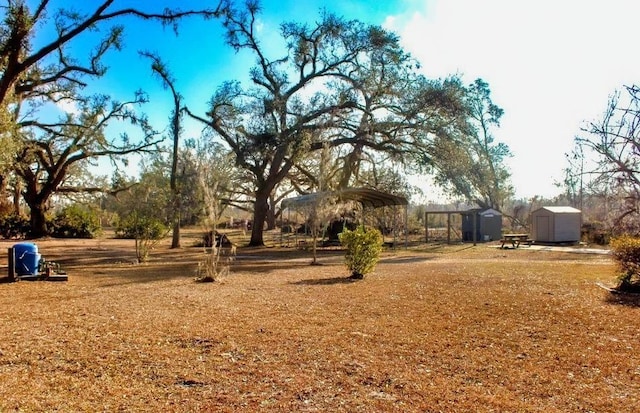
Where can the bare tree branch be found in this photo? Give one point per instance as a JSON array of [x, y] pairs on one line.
[[18, 59]]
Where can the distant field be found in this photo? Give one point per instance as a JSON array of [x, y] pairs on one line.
[[452, 329]]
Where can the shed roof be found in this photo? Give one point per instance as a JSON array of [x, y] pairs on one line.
[[561, 209], [480, 211], [490, 211], [367, 197]]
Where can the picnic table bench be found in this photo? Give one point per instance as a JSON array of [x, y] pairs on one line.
[[515, 240]]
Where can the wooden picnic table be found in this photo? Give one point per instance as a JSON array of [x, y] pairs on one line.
[[515, 240]]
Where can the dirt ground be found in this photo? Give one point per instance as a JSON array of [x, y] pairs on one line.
[[435, 328]]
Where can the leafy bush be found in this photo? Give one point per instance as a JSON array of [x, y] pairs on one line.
[[363, 250], [146, 230], [76, 221], [14, 226], [626, 251], [136, 226]]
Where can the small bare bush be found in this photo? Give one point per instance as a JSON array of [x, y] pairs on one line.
[[218, 255], [215, 265]]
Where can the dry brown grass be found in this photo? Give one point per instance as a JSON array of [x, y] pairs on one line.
[[450, 329]]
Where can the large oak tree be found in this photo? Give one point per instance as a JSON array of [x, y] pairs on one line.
[[39, 71], [272, 123], [51, 151], [340, 83]]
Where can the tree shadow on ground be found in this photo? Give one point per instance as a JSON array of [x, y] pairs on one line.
[[405, 260], [624, 299], [327, 281]]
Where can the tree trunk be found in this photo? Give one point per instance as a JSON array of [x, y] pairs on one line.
[[38, 220], [16, 196], [351, 166], [271, 214], [175, 236], [260, 211], [177, 207], [3, 187]]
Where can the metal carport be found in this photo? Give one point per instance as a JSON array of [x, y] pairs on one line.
[[367, 197]]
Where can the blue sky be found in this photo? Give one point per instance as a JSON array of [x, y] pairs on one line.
[[551, 65]]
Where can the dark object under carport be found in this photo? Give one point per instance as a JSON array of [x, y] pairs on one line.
[[367, 197]]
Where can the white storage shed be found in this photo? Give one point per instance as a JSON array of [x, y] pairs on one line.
[[556, 224]]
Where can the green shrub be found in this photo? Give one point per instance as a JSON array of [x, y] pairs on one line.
[[14, 226], [76, 221], [626, 251], [146, 230], [137, 226], [363, 250]]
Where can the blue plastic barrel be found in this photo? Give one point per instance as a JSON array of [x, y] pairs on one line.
[[27, 258]]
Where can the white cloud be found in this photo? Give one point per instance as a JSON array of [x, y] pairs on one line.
[[68, 106], [550, 64]]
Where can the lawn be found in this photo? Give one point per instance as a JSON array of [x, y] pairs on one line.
[[452, 329]]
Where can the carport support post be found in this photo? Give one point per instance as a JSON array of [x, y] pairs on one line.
[[395, 226], [475, 227], [426, 227], [406, 226], [11, 264]]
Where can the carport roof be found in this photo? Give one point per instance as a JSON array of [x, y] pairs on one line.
[[367, 197]]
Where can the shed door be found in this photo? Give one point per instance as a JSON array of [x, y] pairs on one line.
[[542, 228]]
